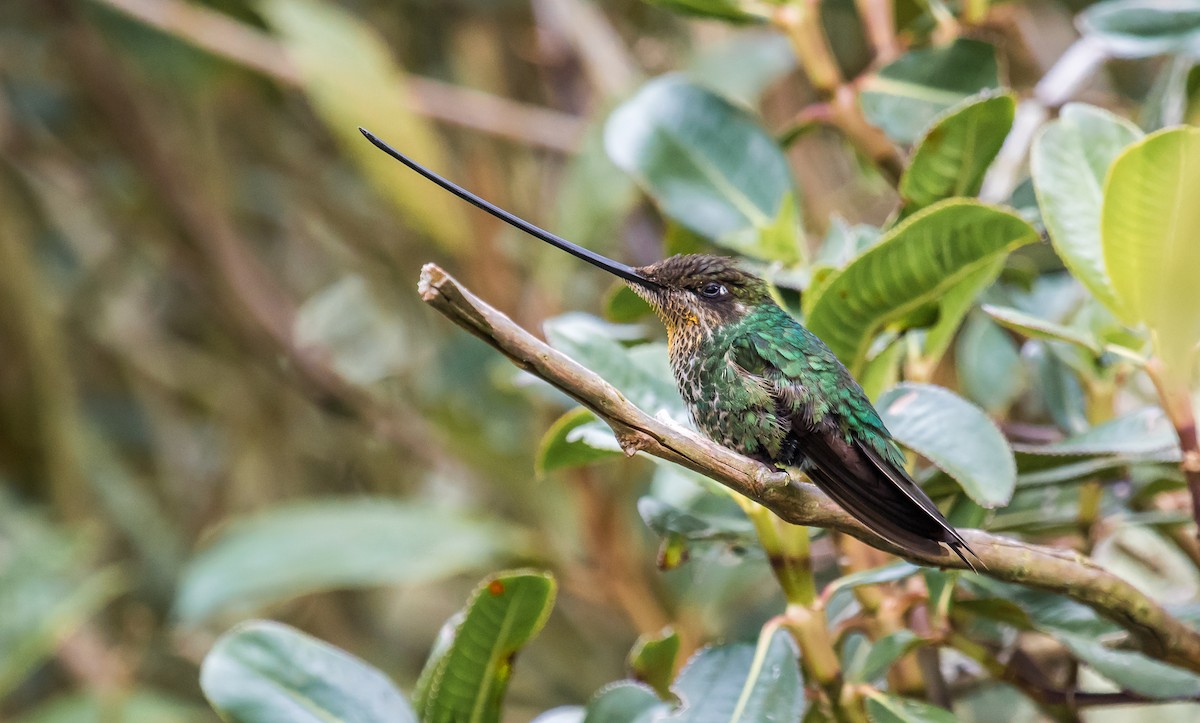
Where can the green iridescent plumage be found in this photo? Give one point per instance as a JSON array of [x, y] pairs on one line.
[[760, 383]]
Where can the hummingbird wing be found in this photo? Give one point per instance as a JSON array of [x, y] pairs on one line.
[[837, 437]]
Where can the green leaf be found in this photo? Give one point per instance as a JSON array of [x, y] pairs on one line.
[[884, 708], [564, 447], [302, 548], [884, 652], [625, 702], [1035, 328], [1143, 28], [1069, 160], [348, 73], [266, 672], [875, 576], [466, 682], [954, 305], [709, 166], [953, 155], [1048, 611], [623, 306], [956, 436], [742, 67], [718, 9], [742, 683], [1132, 670], [989, 365], [652, 660], [1145, 433], [913, 265], [562, 714], [708, 518], [1148, 225], [907, 95], [642, 373], [1152, 563]]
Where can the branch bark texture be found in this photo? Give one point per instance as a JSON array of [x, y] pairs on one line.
[[1066, 572]]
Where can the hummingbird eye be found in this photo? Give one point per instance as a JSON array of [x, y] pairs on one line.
[[713, 290]]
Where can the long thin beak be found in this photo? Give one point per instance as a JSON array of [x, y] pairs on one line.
[[625, 272]]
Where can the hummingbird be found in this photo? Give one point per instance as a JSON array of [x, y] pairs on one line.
[[756, 381]]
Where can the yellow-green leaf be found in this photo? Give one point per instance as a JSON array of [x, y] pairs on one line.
[[1150, 226], [351, 80], [915, 264]]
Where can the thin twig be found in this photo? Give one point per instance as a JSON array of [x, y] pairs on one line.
[[250, 48], [1060, 571]]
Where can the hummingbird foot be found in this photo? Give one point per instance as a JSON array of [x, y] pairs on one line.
[[767, 480]]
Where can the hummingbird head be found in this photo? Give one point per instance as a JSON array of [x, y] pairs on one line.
[[699, 292]]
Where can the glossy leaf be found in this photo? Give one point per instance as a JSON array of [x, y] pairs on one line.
[[884, 708], [952, 156], [956, 436], [626, 702], [1149, 221], [307, 547], [1132, 670], [465, 681], [1144, 433], [1035, 328], [742, 683], [1171, 578], [351, 80], [913, 265], [875, 576], [1047, 611], [907, 95], [562, 714], [708, 518], [623, 306], [652, 660], [989, 367], [642, 373], [883, 653], [566, 443], [709, 166], [266, 672], [1069, 160], [953, 306], [744, 66], [1143, 28]]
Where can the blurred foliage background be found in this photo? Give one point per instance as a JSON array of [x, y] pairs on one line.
[[220, 396]]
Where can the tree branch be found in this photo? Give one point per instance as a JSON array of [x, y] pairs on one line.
[[1060, 571]]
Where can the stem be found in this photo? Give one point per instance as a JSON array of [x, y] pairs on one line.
[[878, 19], [1177, 401], [801, 22], [1100, 404], [786, 546], [808, 626]]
